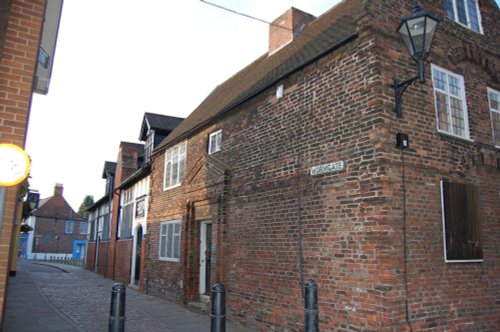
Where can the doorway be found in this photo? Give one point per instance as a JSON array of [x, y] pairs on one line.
[[138, 251], [79, 249], [205, 259]]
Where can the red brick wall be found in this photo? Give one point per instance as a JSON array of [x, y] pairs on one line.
[[123, 260], [340, 109], [57, 241], [17, 64]]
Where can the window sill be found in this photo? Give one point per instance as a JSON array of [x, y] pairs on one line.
[[463, 261], [171, 187], [173, 260], [447, 134], [466, 26]]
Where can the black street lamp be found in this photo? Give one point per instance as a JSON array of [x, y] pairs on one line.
[[417, 32]]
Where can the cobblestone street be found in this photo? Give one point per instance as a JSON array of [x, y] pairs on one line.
[[54, 297]]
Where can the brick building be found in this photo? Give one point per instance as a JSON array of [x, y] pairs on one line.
[[58, 231], [117, 235], [25, 28], [289, 171]]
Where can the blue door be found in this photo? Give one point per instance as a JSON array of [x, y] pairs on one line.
[[79, 249]]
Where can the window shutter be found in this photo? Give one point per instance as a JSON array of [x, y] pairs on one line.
[[462, 224]]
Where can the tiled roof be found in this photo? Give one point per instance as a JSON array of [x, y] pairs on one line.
[[55, 207], [323, 35], [158, 122], [109, 168]]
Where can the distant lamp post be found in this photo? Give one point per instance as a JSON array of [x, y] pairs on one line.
[[417, 32]]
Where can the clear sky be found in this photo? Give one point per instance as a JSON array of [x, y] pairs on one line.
[[117, 59]]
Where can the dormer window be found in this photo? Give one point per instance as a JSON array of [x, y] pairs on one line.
[[464, 12], [148, 148], [214, 142]]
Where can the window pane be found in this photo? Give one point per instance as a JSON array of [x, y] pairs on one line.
[[176, 246], [440, 81], [162, 246], [175, 173], [169, 240], [473, 15], [462, 15], [448, 8], [442, 109], [495, 101], [457, 116], [168, 172], [455, 88], [495, 116]]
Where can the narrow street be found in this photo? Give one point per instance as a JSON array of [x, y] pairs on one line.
[[47, 297]]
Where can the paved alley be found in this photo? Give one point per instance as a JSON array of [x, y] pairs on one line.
[[47, 297]]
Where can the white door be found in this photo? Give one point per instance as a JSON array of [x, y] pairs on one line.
[[205, 256]]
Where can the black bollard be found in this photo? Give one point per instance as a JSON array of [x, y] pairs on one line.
[[218, 316], [311, 304], [117, 309]]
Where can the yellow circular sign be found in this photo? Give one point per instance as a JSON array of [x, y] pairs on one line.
[[14, 165]]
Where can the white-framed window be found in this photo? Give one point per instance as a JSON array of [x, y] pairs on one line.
[[214, 141], [450, 103], [127, 213], [494, 102], [170, 241], [148, 147], [68, 227], [175, 165], [464, 12], [461, 223], [83, 228]]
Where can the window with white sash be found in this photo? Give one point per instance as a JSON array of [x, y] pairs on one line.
[[170, 241], [450, 103], [175, 165]]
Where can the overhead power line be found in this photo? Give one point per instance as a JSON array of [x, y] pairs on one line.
[[245, 15]]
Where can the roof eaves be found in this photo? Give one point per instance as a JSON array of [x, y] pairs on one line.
[[166, 144]]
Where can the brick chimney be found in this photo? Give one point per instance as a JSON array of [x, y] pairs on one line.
[[286, 27], [58, 189]]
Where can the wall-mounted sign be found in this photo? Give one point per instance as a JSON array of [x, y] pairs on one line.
[[328, 168], [14, 165]]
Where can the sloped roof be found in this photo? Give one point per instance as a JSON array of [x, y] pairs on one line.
[[158, 122], [135, 177], [323, 35], [55, 207], [109, 168]]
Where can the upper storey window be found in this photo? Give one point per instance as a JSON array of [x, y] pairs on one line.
[[148, 148], [175, 165], [494, 100], [214, 142], [465, 12], [451, 107]]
